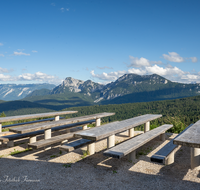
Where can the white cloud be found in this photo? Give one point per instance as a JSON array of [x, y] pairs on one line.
[[20, 53], [62, 9], [4, 70], [112, 76], [1, 55], [34, 51], [173, 57], [194, 59], [67, 9], [38, 76], [1, 44], [142, 62], [53, 4]]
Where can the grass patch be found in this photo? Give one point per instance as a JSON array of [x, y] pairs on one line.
[[114, 171], [144, 152], [20, 151], [67, 165], [85, 153], [53, 156]]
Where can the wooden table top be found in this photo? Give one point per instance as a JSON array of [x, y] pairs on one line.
[[113, 128], [190, 137]]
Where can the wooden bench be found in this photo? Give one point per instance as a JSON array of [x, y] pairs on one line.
[[191, 138], [33, 116], [129, 147], [109, 130], [96, 117], [166, 154], [9, 139]]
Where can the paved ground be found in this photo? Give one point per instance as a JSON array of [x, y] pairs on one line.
[[52, 169]]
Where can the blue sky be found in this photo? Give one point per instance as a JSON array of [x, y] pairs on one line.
[[101, 40]]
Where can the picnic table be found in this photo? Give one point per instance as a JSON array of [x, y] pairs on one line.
[[33, 116], [191, 138], [47, 127], [109, 130]]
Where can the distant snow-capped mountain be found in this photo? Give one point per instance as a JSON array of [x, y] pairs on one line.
[[16, 92]]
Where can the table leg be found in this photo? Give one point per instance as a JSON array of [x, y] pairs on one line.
[[195, 158], [91, 148], [146, 126], [32, 139], [47, 134], [84, 127], [98, 122], [57, 118], [131, 132], [111, 141]]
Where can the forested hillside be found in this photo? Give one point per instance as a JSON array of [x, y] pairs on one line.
[[179, 112]]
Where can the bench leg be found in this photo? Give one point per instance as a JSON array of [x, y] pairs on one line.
[[0, 127], [111, 141], [32, 139], [195, 158], [162, 137], [170, 159], [57, 118], [84, 127], [91, 148], [131, 132], [10, 144], [132, 156], [98, 122], [146, 126]]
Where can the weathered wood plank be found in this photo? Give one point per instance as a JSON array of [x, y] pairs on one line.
[[33, 116], [74, 145], [43, 126], [190, 137], [130, 145], [34, 133], [52, 140], [109, 129]]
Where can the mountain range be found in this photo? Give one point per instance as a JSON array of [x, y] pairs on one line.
[[72, 92]]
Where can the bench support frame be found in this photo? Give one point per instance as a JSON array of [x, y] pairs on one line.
[[10, 144], [132, 156], [98, 122], [84, 127], [32, 139]]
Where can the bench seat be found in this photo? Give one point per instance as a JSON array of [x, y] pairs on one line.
[[129, 146], [166, 154], [52, 140], [74, 145]]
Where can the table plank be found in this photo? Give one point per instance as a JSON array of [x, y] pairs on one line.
[[109, 129], [33, 116], [35, 127], [191, 137]]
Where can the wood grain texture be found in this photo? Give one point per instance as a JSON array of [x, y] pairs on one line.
[[74, 145], [190, 137], [130, 145], [52, 140], [43, 126], [33, 116], [109, 129]]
